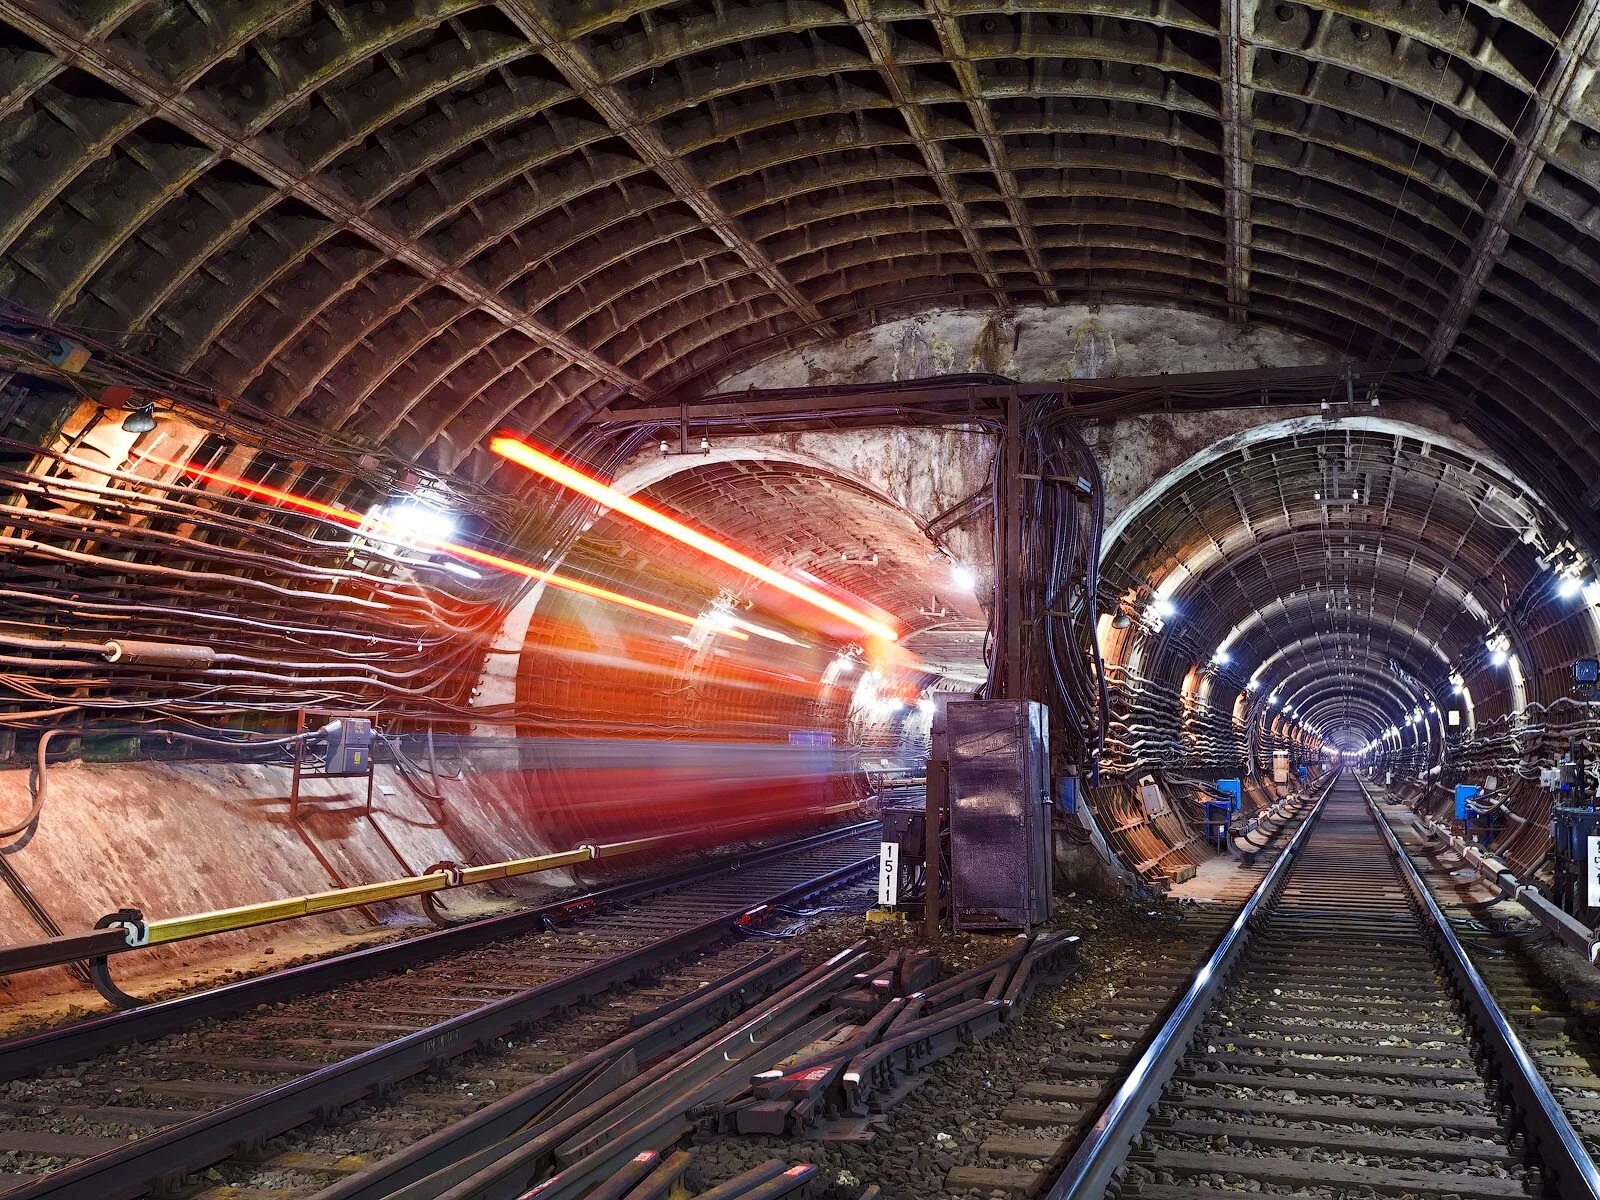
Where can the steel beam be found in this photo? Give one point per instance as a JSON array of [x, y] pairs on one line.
[[954, 47], [258, 155], [878, 45], [585, 78], [1225, 389], [1011, 498], [1561, 89], [1237, 149]]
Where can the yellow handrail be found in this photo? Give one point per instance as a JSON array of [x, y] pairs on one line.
[[247, 916]]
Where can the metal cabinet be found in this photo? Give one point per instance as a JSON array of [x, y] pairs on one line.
[[999, 796]]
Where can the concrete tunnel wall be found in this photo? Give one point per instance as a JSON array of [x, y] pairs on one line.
[[174, 839]]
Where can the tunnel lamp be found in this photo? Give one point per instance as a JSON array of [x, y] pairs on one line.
[[142, 419], [718, 616], [415, 524], [1253, 686], [1569, 586], [1163, 608], [964, 577], [1222, 658], [1499, 647], [533, 459]]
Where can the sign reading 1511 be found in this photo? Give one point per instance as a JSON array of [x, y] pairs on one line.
[[888, 873]]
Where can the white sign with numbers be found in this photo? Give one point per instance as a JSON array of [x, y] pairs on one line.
[[889, 873], [1594, 872]]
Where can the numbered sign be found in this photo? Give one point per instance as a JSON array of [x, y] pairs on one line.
[[1594, 872], [889, 873]]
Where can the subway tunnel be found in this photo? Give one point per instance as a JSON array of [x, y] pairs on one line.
[[468, 466]]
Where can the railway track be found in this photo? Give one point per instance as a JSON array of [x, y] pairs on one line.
[[1050, 1102], [1337, 1043], [1539, 983], [377, 1052]]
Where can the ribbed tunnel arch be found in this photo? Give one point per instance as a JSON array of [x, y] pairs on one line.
[[1344, 578], [419, 220], [272, 271], [837, 530]]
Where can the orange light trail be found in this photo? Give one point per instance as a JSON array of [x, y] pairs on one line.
[[353, 519], [524, 455]]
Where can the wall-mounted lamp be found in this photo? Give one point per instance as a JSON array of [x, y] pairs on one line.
[[142, 419]]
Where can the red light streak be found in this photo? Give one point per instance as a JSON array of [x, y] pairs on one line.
[[524, 455], [354, 520]]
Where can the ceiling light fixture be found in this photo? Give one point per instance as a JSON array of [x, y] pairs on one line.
[[142, 419]]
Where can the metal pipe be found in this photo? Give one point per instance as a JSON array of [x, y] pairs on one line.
[[1566, 928], [158, 654], [134, 932]]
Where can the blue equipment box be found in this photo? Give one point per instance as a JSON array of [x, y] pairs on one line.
[[1067, 793], [1465, 792], [1233, 788]]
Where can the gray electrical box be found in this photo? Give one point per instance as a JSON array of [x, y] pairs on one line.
[[1000, 857], [349, 747]]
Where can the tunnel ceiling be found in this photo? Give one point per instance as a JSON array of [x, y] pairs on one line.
[[417, 219], [1351, 573]]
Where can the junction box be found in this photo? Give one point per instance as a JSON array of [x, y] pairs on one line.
[[349, 751], [1577, 861], [1000, 808]]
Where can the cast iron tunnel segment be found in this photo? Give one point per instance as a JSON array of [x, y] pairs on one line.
[[1337, 1037]]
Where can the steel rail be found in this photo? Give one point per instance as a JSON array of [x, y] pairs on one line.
[[166, 1156], [1553, 1143], [29, 1054], [463, 1147], [1093, 1168]]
